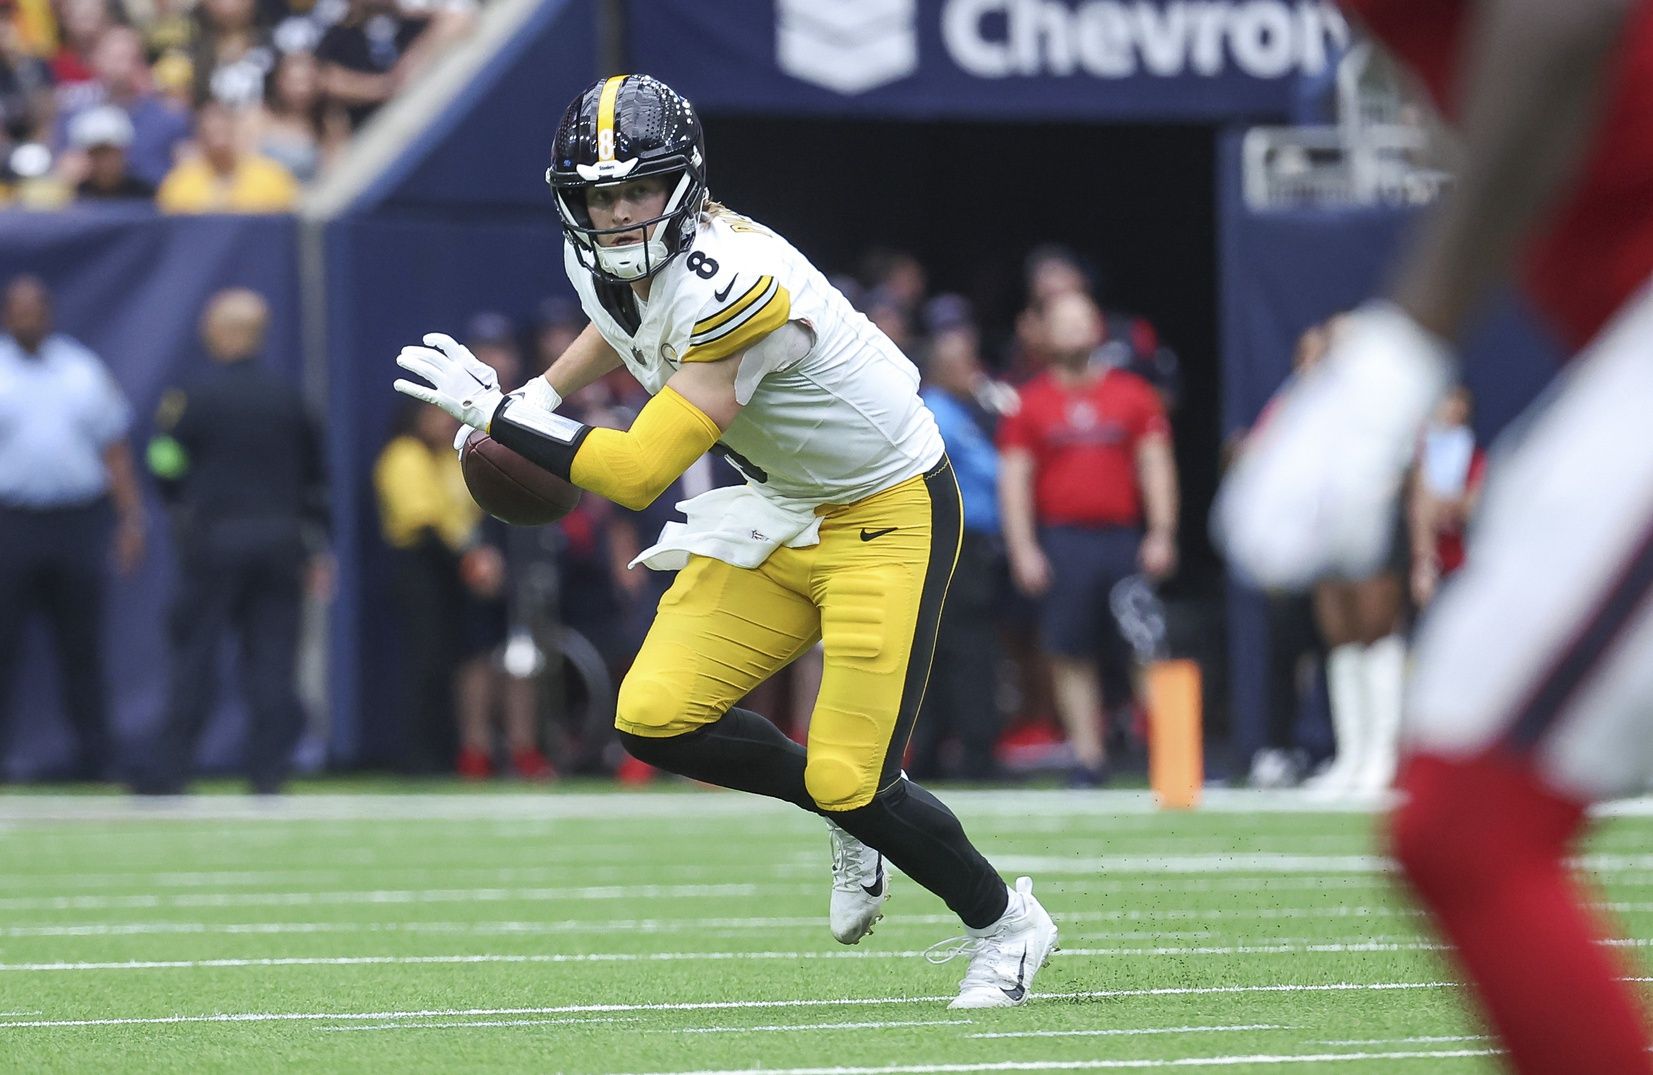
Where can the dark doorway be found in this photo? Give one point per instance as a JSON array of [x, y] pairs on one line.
[[971, 199]]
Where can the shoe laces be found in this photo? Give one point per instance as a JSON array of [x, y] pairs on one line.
[[953, 947], [983, 971], [844, 864]]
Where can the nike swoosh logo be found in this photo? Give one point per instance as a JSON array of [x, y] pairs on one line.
[[877, 889], [477, 379], [1020, 989], [730, 286], [868, 535]]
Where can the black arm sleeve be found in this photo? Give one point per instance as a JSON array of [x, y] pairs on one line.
[[540, 447]]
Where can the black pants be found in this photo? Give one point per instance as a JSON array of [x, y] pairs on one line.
[[1292, 636], [961, 704], [53, 562], [428, 601], [256, 596]]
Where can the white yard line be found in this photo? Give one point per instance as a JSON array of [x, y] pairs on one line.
[[718, 1005], [1139, 1032], [1107, 1065], [673, 925], [1331, 868], [693, 957], [1091, 887], [1018, 805], [1180, 951], [1434, 1039], [787, 1027], [475, 1023], [413, 895]]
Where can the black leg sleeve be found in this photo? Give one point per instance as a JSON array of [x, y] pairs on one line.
[[740, 750], [914, 830]]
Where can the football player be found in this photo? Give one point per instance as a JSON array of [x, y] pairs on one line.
[[846, 531], [1532, 693]]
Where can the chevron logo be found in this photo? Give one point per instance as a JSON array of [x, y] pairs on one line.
[[847, 46]]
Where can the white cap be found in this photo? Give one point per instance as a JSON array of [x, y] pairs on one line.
[[105, 125]]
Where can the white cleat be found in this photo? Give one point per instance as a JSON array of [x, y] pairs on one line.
[[860, 885], [1005, 956]]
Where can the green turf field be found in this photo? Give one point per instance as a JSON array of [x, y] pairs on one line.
[[685, 931]]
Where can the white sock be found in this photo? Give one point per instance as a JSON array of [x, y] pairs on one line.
[[1385, 674], [1346, 688]]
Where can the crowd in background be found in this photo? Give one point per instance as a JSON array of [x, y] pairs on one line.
[[199, 105], [1059, 430]]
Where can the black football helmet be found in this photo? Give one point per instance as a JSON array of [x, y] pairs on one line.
[[623, 128]]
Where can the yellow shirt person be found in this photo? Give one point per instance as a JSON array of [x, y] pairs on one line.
[[221, 178], [421, 489]]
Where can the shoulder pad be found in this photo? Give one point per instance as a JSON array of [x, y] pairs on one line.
[[738, 297]]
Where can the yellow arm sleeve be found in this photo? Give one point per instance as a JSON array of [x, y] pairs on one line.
[[633, 467]]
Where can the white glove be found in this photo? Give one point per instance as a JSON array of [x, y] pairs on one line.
[[464, 385], [536, 393], [1314, 492]]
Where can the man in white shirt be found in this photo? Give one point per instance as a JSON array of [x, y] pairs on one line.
[[64, 462]]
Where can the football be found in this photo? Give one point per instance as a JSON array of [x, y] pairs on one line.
[[509, 487]]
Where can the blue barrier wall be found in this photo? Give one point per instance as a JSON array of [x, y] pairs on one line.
[[399, 277], [131, 285], [1284, 270]]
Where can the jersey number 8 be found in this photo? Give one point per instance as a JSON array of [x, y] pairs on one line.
[[701, 265]]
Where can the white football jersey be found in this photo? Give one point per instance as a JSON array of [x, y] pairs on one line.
[[836, 425]]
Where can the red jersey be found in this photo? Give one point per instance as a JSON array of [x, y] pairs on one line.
[[1083, 441], [1596, 249]]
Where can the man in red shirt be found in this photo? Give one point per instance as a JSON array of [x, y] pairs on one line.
[[1532, 689], [1085, 461]]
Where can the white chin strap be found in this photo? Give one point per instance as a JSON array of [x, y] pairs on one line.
[[636, 260], [633, 260]]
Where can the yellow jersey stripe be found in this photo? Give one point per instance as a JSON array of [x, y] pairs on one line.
[[736, 317], [760, 323], [605, 117], [730, 311]]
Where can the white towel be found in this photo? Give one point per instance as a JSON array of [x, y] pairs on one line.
[[738, 525]]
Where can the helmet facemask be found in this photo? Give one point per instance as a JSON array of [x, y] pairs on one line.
[[672, 231]]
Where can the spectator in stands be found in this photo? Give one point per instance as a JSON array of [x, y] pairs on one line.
[[484, 681], [1048, 271], [25, 92], [174, 77], [442, 574], [376, 50], [961, 705], [232, 54], [1085, 463], [221, 177], [167, 26], [82, 24], [239, 460], [557, 321], [103, 135], [899, 276], [159, 126], [1443, 494], [295, 127], [890, 314], [64, 460]]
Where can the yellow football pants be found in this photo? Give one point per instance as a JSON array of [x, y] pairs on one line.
[[871, 592]]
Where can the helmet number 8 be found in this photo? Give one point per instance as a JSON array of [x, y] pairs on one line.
[[701, 265]]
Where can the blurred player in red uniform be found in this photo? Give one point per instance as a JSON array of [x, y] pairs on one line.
[[1532, 695]]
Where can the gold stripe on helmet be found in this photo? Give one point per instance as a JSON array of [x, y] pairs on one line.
[[605, 118]]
